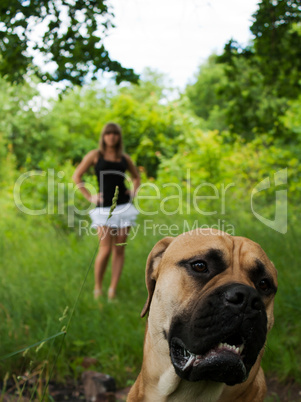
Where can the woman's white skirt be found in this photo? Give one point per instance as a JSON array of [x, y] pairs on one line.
[[124, 215]]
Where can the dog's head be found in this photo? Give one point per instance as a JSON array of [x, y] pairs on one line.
[[210, 296]]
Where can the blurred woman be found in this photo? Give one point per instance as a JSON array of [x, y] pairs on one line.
[[110, 165]]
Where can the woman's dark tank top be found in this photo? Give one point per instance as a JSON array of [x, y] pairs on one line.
[[109, 175]]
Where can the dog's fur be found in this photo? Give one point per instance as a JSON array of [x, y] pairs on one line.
[[206, 290]]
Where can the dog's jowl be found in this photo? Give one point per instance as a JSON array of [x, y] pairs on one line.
[[210, 307]]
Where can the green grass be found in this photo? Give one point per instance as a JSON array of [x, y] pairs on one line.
[[43, 270], [42, 273]]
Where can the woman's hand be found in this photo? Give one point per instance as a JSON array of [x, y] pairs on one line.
[[96, 199]]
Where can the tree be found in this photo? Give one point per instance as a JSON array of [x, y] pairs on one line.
[[251, 108], [152, 84], [22, 128], [259, 80], [204, 94], [277, 44], [70, 40], [233, 96]]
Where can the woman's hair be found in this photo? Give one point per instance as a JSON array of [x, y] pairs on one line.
[[111, 128]]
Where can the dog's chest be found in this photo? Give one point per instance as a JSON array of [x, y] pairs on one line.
[[204, 391]]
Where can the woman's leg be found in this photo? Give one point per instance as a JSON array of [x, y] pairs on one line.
[[101, 261], [117, 259]]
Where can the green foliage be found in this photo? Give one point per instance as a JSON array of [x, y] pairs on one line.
[[250, 107], [45, 268], [234, 97], [211, 158], [152, 85], [150, 129], [50, 191], [292, 119], [204, 94], [249, 91], [71, 40], [8, 175], [277, 45], [74, 122], [275, 49], [230, 130], [45, 277], [20, 125]]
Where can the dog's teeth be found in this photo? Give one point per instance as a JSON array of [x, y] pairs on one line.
[[233, 348], [196, 362], [188, 354], [189, 362]]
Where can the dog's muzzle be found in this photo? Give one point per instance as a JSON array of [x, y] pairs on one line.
[[219, 338]]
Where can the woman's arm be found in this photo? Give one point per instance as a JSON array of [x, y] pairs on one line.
[[82, 168], [134, 175]]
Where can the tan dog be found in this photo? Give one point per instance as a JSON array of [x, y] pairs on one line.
[[210, 302]]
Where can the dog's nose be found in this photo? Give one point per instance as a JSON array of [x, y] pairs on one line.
[[239, 297]]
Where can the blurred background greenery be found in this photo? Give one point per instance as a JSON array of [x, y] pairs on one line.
[[239, 121]]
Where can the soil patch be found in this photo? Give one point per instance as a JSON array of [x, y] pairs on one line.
[[289, 391]]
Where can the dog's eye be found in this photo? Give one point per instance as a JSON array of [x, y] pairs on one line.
[[199, 266], [264, 285]]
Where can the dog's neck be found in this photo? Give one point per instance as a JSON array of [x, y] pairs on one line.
[[163, 384]]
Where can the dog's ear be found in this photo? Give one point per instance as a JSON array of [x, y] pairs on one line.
[[151, 272]]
